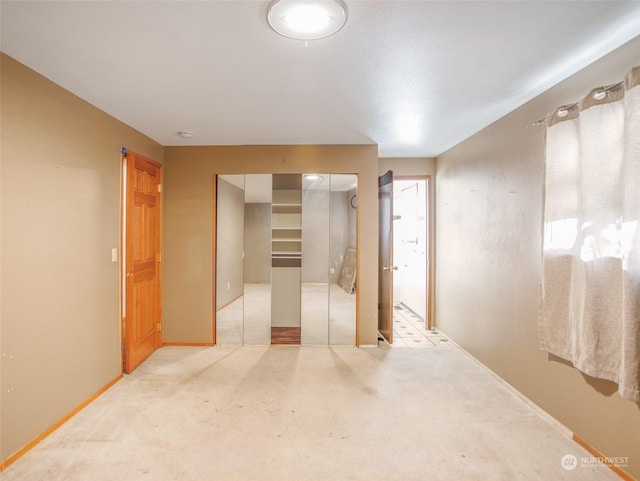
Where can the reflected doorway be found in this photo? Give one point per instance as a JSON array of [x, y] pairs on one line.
[[411, 251]]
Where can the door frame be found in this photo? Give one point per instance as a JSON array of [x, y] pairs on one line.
[[214, 259], [429, 238], [121, 258], [125, 339], [385, 256]]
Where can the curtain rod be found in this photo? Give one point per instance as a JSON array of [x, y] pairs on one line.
[[575, 104]]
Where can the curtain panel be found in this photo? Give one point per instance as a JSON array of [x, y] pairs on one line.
[[590, 312]]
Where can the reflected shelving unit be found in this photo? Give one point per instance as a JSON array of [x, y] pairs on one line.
[[286, 257], [286, 228]]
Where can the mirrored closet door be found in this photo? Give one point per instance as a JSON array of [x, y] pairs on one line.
[[315, 259], [257, 256], [285, 259], [342, 259], [229, 260]]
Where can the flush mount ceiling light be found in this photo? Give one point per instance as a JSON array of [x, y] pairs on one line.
[[307, 19], [313, 177]]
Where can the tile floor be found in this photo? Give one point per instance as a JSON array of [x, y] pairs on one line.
[[409, 330]]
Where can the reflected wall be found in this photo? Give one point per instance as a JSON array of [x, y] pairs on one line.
[[257, 259], [316, 208], [343, 268], [230, 265]]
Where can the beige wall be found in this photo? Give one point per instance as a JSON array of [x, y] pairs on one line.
[[408, 167], [188, 279], [489, 221], [60, 191]]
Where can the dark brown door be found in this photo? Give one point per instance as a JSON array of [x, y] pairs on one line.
[[385, 256], [142, 324]]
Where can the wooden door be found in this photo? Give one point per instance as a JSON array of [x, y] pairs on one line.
[[385, 256], [142, 323]]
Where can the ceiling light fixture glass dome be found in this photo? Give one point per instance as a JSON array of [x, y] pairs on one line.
[[307, 19], [313, 177]]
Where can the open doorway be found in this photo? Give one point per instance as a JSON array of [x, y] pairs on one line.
[[411, 255]]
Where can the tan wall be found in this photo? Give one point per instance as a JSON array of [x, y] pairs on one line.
[[407, 167], [489, 211], [188, 279], [60, 191]]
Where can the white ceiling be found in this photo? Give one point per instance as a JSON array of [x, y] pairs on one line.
[[415, 77]]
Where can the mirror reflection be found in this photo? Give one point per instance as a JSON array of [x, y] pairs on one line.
[[286, 258], [342, 271], [316, 208], [229, 262], [270, 273], [257, 259]]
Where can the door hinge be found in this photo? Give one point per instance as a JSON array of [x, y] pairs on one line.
[[159, 257], [159, 187], [159, 326]]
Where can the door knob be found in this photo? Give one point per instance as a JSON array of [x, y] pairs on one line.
[[390, 268]]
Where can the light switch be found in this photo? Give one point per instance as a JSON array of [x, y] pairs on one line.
[[114, 254]]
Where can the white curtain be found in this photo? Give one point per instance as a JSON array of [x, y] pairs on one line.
[[591, 250]]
